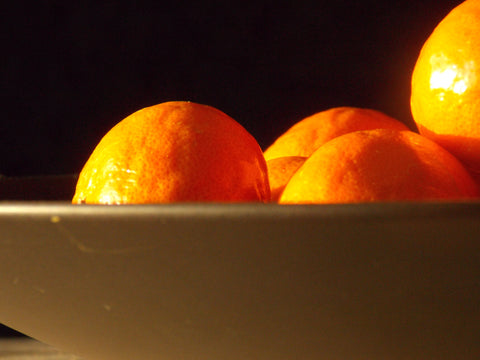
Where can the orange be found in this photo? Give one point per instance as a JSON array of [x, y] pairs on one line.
[[379, 165], [445, 97], [307, 135], [175, 152], [280, 170]]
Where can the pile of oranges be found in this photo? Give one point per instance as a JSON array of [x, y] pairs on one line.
[[181, 151]]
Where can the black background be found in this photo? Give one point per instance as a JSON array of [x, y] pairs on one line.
[[71, 70]]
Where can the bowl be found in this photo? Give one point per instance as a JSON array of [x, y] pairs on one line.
[[244, 281]]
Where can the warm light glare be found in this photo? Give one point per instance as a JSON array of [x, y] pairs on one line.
[[450, 77], [442, 79], [110, 196]]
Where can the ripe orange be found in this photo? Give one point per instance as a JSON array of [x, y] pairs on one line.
[[379, 165], [445, 97], [171, 152], [307, 135], [280, 170]]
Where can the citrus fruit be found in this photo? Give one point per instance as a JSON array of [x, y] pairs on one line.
[[280, 170], [174, 152], [379, 165], [445, 96], [305, 136]]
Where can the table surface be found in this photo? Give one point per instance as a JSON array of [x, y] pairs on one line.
[[27, 349]]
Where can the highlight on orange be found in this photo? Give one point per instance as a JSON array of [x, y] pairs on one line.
[[379, 165], [280, 170], [175, 151], [445, 97], [307, 135]]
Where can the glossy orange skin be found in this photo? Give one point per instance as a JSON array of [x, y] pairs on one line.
[[445, 98], [307, 135], [379, 165], [280, 170], [174, 152]]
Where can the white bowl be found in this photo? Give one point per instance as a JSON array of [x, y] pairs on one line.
[[244, 281]]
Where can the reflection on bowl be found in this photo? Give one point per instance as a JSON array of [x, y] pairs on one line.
[[249, 281]]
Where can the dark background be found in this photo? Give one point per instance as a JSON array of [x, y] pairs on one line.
[[71, 70]]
